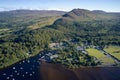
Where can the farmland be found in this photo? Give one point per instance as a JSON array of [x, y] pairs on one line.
[[114, 51], [100, 56]]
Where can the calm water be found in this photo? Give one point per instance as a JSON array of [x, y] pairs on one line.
[[29, 69], [99, 73]]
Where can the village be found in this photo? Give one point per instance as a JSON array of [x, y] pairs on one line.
[[105, 59]]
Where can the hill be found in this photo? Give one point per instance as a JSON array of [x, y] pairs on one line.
[[24, 18], [93, 26], [20, 28], [87, 15], [21, 13]]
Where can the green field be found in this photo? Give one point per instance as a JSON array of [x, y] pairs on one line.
[[44, 22], [100, 56], [113, 50]]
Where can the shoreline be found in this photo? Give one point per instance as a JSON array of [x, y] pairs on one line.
[[2, 68]]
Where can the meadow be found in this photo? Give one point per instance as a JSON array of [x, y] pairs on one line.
[[100, 56], [114, 51]]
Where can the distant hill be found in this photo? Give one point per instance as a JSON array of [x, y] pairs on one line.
[[99, 11], [85, 15], [21, 13], [77, 16], [24, 18]]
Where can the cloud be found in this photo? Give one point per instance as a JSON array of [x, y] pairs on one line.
[[29, 8], [6, 8]]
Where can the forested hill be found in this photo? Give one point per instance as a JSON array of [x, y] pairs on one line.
[[94, 26], [21, 13], [21, 33]]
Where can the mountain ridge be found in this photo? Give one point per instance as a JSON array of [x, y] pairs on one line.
[[24, 18], [32, 12], [83, 14]]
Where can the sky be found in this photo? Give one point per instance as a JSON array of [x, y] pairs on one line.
[[64, 5]]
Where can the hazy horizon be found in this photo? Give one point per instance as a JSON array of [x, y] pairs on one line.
[[105, 5]]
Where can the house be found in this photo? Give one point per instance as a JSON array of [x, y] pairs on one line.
[[52, 45], [48, 57], [55, 45], [54, 56], [85, 52], [80, 48]]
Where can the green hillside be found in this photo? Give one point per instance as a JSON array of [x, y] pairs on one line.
[[29, 32], [86, 15], [23, 18], [94, 27], [44, 22]]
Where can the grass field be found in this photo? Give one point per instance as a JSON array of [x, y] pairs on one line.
[[104, 59], [113, 50], [44, 22]]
